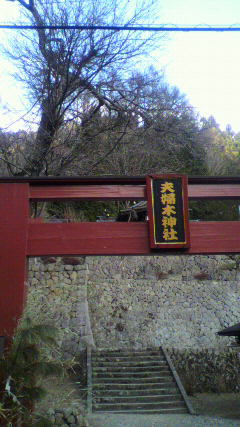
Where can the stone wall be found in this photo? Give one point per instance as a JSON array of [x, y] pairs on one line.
[[57, 293], [176, 301]]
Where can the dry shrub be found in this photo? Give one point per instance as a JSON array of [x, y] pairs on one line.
[[72, 261], [202, 276], [207, 370], [48, 260], [161, 275]]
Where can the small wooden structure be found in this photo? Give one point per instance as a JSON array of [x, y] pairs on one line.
[[21, 237]]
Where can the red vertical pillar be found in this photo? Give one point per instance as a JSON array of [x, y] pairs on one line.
[[14, 218]]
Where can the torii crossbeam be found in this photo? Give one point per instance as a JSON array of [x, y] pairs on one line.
[[22, 237]]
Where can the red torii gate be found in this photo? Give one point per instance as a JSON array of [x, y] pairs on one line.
[[22, 237]]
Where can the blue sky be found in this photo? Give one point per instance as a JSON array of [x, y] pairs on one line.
[[205, 66]]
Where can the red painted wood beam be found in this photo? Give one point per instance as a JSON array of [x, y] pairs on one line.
[[88, 192], [127, 192], [215, 237], [126, 239], [14, 214], [88, 238], [214, 191]]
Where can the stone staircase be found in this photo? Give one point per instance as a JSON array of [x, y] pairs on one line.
[[135, 382]]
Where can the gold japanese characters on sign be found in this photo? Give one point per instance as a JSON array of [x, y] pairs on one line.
[[168, 211], [169, 220]]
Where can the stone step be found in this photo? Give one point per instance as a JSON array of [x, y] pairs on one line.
[[126, 353], [120, 358], [131, 375], [130, 369], [141, 399], [123, 391], [132, 381], [147, 411], [128, 380], [133, 363], [169, 383], [137, 405]]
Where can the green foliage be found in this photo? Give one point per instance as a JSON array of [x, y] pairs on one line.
[[81, 211], [222, 148], [42, 422], [214, 210], [22, 366]]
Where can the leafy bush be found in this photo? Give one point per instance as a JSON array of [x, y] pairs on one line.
[[22, 366]]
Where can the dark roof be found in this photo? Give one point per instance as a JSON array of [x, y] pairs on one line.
[[231, 331], [137, 207]]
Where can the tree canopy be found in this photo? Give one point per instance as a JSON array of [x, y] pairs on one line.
[[95, 109], [71, 76]]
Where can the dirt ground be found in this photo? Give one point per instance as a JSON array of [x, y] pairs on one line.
[[225, 405], [62, 392], [170, 420], [213, 410]]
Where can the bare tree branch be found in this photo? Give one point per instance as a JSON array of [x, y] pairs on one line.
[[61, 67]]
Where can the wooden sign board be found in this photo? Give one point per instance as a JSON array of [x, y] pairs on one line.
[[168, 211]]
